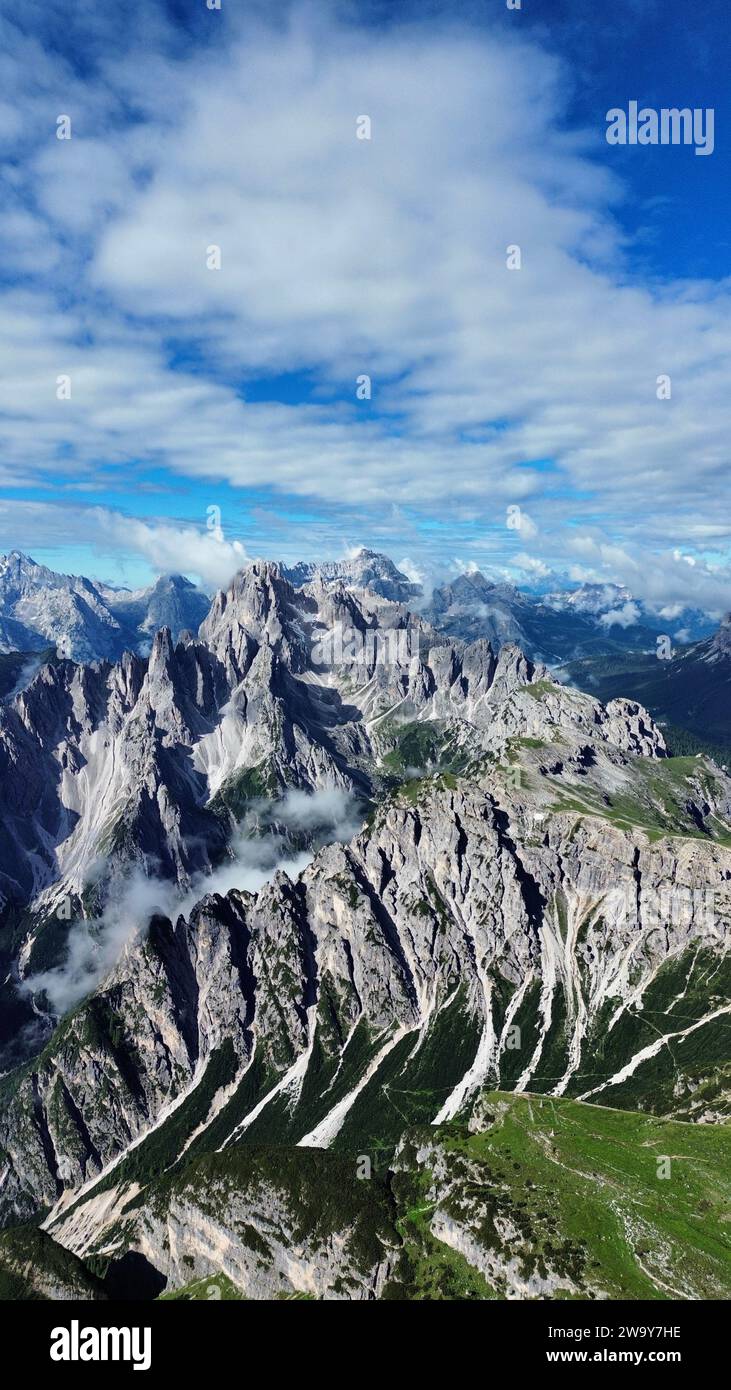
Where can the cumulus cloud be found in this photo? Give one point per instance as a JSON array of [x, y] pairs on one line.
[[659, 578], [532, 565], [167, 547], [627, 615], [340, 255], [171, 548]]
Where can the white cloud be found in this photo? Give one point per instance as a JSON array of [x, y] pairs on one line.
[[412, 570], [627, 615], [172, 548], [167, 548], [530, 564], [341, 256], [95, 947], [660, 578], [329, 809], [524, 525]]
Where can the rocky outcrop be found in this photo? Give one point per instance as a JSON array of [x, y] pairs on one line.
[[144, 760]]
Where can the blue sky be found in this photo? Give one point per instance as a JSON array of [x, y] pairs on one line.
[[496, 394]]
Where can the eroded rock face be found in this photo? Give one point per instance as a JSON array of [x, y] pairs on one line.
[[557, 927], [543, 906], [141, 760], [273, 1225]]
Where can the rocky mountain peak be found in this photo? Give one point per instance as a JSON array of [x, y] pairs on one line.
[[722, 639], [366, 569], [15, 561], [260, 606]]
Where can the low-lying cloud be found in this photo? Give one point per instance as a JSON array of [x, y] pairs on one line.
[[94, 947], [627, 615], [332, 811]]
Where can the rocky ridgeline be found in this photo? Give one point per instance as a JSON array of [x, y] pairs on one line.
[[459, 917], [127, 760], [499, 922]]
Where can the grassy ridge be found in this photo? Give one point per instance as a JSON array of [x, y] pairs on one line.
[[551, 1198], [538, 1198]]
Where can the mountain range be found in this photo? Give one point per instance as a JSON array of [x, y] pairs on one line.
[[86, 620], [590, 621], [689, 691], [344, 958], [594, 636]]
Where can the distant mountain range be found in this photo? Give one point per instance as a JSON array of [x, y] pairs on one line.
[[597, 637], [593, 620], [86, 620], [689, 693]]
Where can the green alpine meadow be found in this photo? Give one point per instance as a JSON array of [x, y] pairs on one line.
[[365, 676]]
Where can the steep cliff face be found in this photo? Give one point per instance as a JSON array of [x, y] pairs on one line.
[[519, 925], [151, 760], [539, 902]]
